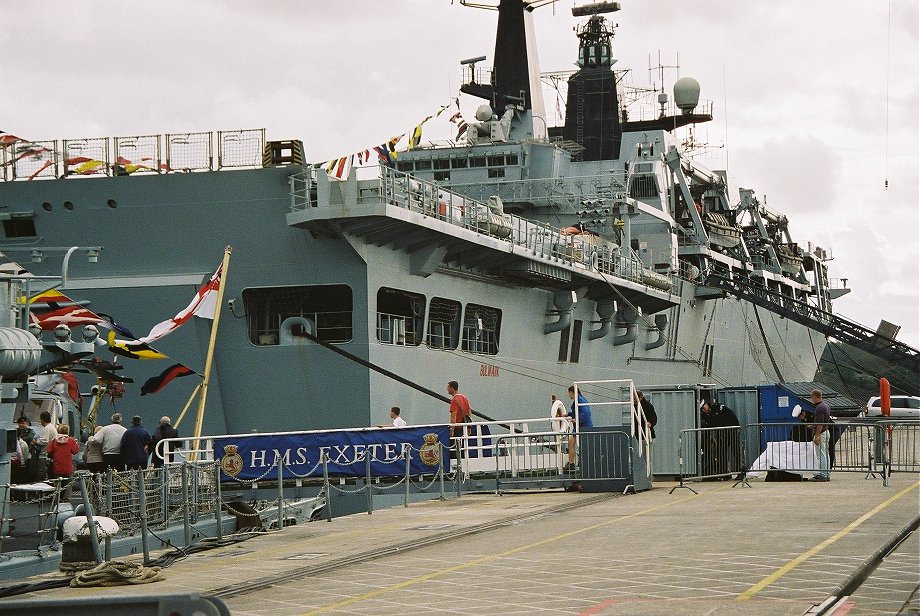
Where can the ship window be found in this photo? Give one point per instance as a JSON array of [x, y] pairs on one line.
[[575, 355], [422, 165], [400, 317], [496, 161], [443, 323], [481, 326], [459, 163], [511, 159], [404, 165], [327, 307], [443, 163], [478, 161], [643, 186], [496, 173], [442, 176], [19, 227]]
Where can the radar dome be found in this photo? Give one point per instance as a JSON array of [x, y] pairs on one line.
[[687, 94], [484, 113]]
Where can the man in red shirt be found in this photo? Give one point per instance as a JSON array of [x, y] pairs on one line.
[[459, 408]]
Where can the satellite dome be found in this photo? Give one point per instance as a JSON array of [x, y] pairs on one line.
[[484, 113], [687, 94]]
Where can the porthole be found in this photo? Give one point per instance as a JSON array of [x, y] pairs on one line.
[[112, 203]]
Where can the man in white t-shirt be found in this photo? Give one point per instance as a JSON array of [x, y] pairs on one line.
[[398, 422]]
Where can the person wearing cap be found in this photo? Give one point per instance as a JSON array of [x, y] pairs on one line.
[[110, 437], [135, 445], [800, 433], [163, 432], [721, 451]]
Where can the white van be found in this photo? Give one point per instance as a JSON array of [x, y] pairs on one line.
[[902, 407]]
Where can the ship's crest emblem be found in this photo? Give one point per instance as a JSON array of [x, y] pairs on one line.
[[430, 452], [232, 462]]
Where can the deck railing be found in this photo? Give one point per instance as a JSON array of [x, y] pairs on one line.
[[583, 251], [132, 155]]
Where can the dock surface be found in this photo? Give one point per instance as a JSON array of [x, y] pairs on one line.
[[771, 548]]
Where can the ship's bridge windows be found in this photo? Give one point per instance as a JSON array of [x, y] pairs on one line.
[[422, 165], [400, 317], [326, 309], [19, 224], [443, 323], [406, 166], [481, 326], [459, 163], [478, 161], [496, 161]]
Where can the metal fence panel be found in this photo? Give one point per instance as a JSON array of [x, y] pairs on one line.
[[188, 152], [240, 148], [86, 156], [676, 410], [137, 154]]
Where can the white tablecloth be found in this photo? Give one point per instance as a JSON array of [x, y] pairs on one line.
[[794, 457]]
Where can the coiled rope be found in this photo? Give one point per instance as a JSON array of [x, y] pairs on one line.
[[117, 573]]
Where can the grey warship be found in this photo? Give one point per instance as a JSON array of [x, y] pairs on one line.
[[515, 259]]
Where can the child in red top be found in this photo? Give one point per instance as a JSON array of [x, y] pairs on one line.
[[61, 451]]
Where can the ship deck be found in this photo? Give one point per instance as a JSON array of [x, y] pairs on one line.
[[772, 548]]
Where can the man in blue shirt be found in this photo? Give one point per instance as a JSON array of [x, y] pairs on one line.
[[580, 409], [135, 445]]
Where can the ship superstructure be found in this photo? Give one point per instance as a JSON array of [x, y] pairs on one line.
[[514, 260]]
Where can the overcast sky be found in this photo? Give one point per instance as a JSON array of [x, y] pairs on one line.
[[816, 102]]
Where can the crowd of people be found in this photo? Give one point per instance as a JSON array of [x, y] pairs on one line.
[[49, 452]]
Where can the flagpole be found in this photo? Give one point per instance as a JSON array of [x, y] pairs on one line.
[[199, 418], [187, 405]]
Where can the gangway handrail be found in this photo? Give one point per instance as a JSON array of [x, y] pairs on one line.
[[825, 322]]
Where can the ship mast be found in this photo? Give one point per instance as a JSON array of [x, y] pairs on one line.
[[515, 79]]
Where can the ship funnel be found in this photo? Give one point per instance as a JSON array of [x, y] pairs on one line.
[[687, 94]]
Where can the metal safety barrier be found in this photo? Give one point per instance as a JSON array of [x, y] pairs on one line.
[[876, 447], [711, 453], [539, 459]]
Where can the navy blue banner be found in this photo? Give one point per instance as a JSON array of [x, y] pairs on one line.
[[254, 457]]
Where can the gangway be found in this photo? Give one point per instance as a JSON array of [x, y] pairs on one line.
[[827, 323]]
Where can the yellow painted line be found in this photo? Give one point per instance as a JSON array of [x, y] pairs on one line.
[[478, 561], [795, 562]]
